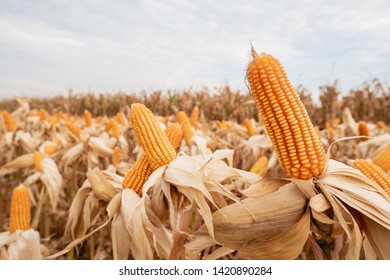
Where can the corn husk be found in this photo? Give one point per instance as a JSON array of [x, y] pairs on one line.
[[21, 245]]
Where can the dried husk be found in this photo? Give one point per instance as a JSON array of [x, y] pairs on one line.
[[259, 218]]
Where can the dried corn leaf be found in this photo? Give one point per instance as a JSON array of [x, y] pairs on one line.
[[259, 218], [286, 245]]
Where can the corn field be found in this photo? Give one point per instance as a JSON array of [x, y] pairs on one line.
[[198, 175]]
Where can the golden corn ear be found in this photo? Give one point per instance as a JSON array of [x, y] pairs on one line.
[[250, 129], [195, 116], [108, 125], [185, 125], [164, 120], [383, 159], [9, 121], [141, 169], [53, 120], [223, 124], [38, 158], [373, 172], [291, 131], [87, 118], [116, 157], [150, 136], [20, 212], [260, 166], [115, 129], [42, 115], [73, 128], [50, 149], [138, 175], [175, 135], [120, 117], [363, 130]]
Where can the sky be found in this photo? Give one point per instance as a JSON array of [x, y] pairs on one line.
[[48, 47]]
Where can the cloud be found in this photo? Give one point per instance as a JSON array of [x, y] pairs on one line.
[[135, 45]]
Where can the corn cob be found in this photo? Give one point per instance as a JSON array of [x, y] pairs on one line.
[[249, 127], [42, 115], [73, 128], [108, 125], [20, 215], [9, 121], [175, 135], [164, 120], [195, 116], [38, 158], [53, 120], [116, 157], [50, 149], [297, 146], [99, 119], [121, 119], [115, 129], [87, 118], [223, 124], [141, 170], [138, 174], [260, 166], [185, 125], [363, 130], [373, 172], [383, 159], [151, 137]]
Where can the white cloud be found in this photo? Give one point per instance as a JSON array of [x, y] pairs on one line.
[[134, 45]]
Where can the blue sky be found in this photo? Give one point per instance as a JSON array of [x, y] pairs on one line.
[[48, 47]]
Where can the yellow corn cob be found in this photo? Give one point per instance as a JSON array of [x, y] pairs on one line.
[[9, 121], [185, 126], [373, 172], [20, 212], [115, 129], [175, 135], [363, 130], [260, 166], [87, 118], [99, 119], [383, 159], [108, 125], [53, 120], [249, 127], [38, 158], [291, 131], [141, 169], [42, 115], [121, 118], [116, 157], [150, 136], [195, 116], [330, 130], [73, 128], [50, 149], [138, 174], [164, 120], [223, 124]]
